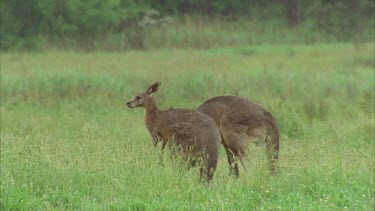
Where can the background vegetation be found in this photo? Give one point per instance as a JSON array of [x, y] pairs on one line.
[[67, 67], [144, 24]]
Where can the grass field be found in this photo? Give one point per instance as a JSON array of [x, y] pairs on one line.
[[69, 142]]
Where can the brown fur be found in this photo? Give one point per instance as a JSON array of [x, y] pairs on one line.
[[242, 122], [194, 135]]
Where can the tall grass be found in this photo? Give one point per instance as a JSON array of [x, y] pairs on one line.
[[68, 142], [199, 32]]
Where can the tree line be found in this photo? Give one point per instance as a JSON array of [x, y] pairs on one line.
[[24, 20]]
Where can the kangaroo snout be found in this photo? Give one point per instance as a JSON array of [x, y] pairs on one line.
[[129, 104]]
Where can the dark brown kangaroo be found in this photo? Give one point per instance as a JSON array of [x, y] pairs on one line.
[[242, 122], [194, 135]]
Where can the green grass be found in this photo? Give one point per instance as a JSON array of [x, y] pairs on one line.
[[69, 142], [199, 32]]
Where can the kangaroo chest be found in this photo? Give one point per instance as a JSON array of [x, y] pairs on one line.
[[151, 122]]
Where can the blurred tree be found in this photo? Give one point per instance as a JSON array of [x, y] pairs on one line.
[[208, 7], [344, 20], [18, 20], [292, 12]]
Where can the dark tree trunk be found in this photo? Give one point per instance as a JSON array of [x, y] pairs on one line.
[[292, 12]]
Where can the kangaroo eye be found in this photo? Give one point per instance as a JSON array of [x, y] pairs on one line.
[[137, 97]]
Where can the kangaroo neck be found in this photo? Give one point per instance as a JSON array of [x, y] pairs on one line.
[[150, 105], [151, 111]]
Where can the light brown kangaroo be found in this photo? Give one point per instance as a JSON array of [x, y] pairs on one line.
[[194, 135], [242, 122]]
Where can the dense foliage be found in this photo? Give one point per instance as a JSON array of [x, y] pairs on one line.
[[25, 24]]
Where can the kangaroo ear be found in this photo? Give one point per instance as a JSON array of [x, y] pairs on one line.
[[153, 88]]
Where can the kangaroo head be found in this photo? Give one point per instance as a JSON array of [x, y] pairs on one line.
[[141, 99]]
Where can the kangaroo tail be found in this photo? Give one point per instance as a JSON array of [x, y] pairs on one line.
[[272, 143]]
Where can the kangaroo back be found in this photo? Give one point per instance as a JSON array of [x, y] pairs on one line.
[[242, 122], [195, 134]]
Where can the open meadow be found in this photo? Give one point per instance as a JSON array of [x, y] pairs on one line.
[[69, 142]]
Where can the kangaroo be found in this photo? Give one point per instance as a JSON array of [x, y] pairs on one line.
[[242, 122], [192, 134]]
